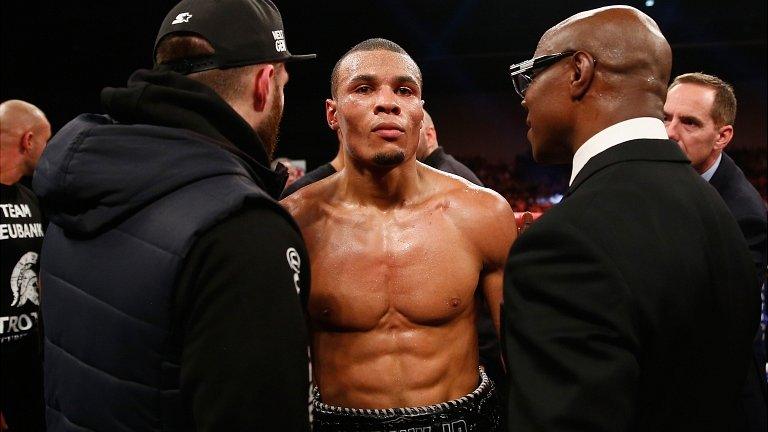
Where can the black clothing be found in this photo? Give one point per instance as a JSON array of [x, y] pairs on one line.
[[747, 207], [171, 100], [631, 305], [182, 271], [21, 236], [444, 162], [224, 324], [317, 174], [475, 412]]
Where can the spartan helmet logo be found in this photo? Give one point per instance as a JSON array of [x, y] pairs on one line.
[[24, 281]]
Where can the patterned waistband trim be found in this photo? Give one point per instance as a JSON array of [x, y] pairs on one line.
[[486, 386]]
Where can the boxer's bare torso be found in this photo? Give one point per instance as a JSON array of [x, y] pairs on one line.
[[392, 303]]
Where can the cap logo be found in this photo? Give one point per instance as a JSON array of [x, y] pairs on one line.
[[279, 40], [182, 18]]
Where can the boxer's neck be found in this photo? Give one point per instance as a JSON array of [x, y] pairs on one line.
[[383, 188]]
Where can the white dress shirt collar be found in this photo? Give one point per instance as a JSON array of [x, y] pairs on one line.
[[711, 171], [636, 128]]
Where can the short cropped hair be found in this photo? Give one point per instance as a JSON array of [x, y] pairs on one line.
[[724, 107], [228, 83], [376, 44]]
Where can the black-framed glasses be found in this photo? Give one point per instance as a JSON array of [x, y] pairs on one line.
[[523, 73]]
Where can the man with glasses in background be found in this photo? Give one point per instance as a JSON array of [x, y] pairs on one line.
[[632, 304]]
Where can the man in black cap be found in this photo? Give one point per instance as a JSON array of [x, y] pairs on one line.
[[177, 280]]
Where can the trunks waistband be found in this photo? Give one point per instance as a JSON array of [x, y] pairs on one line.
[[479, 411]]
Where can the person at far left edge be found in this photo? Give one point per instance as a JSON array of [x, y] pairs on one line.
[[177, 278], [24, 132]]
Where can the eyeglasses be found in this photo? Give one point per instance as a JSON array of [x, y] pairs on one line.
[[523, 73]]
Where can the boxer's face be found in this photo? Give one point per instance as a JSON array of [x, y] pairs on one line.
[[378, 107]]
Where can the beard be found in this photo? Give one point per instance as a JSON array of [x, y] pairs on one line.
[[269, 128], [389, 159]]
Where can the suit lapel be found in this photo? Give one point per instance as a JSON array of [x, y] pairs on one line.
[[634, 150], [723, 173]]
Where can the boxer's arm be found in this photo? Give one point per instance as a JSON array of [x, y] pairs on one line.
[[244, 341], [496, 231]]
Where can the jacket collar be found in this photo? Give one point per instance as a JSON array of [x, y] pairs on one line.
[[173, 100], [633, 150], [723, 173]]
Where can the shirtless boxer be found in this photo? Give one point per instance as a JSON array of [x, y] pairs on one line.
[[398, 253]]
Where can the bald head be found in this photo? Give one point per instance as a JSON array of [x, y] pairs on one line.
[[627, 46], [615, 66], [24, 131], [427, 139], [17, 117], [428, 120]]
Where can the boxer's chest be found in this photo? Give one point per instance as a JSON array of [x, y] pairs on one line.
[[418, 266]]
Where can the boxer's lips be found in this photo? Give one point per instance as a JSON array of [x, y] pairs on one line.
[[389, 130]]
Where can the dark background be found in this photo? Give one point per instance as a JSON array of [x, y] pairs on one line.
[[59, 56]]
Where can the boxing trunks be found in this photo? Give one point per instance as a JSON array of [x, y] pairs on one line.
[[478, 411]]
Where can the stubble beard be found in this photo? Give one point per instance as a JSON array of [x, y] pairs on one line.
[[389, 159], [269, 129]]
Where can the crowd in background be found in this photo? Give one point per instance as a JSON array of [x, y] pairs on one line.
[[527, 187], [190, 283], [533, 188], [536, 188]]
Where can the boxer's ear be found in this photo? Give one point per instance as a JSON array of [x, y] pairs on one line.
[[330, 114]]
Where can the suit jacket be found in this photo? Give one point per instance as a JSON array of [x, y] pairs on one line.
[[630, 306], [747, 207], [444, 162], [317, 174]]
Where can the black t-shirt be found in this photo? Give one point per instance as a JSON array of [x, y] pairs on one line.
[[317, 174], [21, 237]]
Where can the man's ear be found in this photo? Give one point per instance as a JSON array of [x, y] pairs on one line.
[[263, 86], [583, 65], [431, 134], [724, 136], [25, 142], [330, 114]]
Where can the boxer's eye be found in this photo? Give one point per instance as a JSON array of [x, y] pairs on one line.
[[404, 91]]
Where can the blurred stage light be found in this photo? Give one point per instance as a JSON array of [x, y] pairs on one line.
[[649, 3]]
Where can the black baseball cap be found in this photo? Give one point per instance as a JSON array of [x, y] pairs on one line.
[[242, 32]]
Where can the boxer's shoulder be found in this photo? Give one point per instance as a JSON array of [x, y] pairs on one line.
[[305, 203], [481, 214]]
